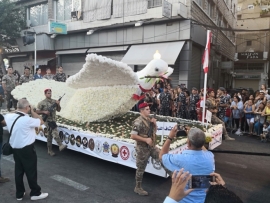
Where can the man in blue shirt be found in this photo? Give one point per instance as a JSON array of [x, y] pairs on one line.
[[197, 160]]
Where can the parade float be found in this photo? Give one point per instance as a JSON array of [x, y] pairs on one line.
[[95, 117]]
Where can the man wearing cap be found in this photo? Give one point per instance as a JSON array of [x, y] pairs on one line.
[[145, 146], [165, 102], [60, 76], [26, 77], [49, 75], [223, 103], [9, 83], [194, 98], [50, 122], [211, 105]]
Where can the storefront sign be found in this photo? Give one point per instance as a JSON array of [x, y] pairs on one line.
[[250, 55], [247, 77], [57, 28], [167, 9]]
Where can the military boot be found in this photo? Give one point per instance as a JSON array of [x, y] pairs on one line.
[[138, 189], [50, 151], [227, 137], [59, 142]]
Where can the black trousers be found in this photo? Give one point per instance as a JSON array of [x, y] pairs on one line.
[[26, 163]]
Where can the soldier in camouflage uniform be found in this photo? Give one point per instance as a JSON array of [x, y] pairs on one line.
[[60, 76], [9, 82], [42, 108], [145, 146], [26, 77], [222, 105], [165, 102], [211, 105], [182, 105], [194, 98], [48, 75]]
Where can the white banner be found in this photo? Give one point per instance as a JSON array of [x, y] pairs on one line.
[[216, 138], [104, 148]]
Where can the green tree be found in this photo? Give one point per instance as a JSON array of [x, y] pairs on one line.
[[12, 21]]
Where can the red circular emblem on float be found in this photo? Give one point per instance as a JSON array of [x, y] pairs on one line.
[[124, 152]]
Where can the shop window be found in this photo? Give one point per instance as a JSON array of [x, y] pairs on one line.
[[249, 43], [64, 8], [39, 15], [154, 3]]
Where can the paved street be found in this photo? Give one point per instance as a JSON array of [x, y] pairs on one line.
[[74, 177]]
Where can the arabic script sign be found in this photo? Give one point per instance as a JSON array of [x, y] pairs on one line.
[[164, 128]]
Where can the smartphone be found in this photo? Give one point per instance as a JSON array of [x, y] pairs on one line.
[[200, 181], [181, 131]]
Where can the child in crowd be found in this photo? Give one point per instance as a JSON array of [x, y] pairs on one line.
[[264, 135]]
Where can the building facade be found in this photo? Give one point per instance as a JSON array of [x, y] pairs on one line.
[[131, 31], [251, 67]]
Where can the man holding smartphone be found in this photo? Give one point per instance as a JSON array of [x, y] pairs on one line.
[[197, 160]]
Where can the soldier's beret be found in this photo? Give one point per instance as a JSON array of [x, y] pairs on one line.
[[143, 105], [210, 90], [46, 90]]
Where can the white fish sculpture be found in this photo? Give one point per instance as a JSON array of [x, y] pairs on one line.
[[102, 89]]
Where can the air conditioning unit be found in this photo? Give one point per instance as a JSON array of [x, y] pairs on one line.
[[76, 15]]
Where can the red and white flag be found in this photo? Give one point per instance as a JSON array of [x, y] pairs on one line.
[[205, 59]]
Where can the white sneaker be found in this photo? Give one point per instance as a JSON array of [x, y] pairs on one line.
[[41, 196], [238, 132], [20, 199]]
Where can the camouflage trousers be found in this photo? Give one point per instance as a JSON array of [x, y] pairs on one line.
[[10, 97], [143, 154], [216, 120], [52, 134], [193, 115], [164, 111]]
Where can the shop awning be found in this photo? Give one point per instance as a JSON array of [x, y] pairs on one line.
[[40, 62], [143, 54], [107, 49], [74, 51]]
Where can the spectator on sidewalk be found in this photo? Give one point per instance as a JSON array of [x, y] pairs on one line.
[[38, 74], [2, 123], [237, 109], [197, 160], [49, 75], [22, 141], [259, 119]]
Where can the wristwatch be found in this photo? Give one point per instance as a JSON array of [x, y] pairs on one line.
[[168, 138]]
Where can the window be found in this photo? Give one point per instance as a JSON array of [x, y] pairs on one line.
[[39, 15], [154, 3], [64, 8], [210, 9], [250, 7], [239, 17], [249, 43]]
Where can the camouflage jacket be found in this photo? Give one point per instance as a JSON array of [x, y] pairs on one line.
[[25, 79], [44, 105], [10, 81], [211, 104], [60, 77], [141, 127], [48, 77]]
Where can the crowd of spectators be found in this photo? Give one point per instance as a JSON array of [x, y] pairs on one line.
[[242, 111]]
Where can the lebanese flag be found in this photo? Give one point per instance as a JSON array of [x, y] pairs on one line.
[[206, 54]]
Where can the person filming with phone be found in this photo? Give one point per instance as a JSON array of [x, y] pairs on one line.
[[196, 160]]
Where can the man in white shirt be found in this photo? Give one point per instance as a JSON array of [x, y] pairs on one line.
[[24, 153]]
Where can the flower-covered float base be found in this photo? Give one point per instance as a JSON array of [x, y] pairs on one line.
[[110, 140]]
